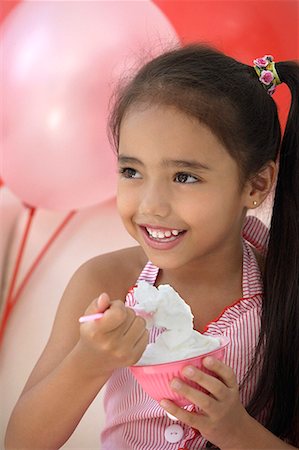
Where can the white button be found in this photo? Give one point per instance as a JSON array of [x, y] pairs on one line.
[[174, 433]]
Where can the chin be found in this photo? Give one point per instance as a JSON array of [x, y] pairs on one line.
[[164, 261]]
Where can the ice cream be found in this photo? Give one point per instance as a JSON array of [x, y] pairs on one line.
[[167, 310]]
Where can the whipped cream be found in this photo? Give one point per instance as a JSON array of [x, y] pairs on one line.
[[164, 308]]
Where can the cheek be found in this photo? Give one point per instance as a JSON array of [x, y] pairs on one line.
[[209, 209], [125, 202], [121, 207], [203, 207]]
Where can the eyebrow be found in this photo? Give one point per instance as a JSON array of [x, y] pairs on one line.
[[178, 163], [123, 159]]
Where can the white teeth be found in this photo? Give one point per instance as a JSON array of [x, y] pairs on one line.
[[159, 234]]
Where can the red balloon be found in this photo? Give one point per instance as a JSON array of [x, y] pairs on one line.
[[6, 8], [242, 29]]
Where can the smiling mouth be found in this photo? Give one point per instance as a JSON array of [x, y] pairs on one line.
[[163, 235]]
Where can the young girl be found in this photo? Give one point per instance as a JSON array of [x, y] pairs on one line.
[[199, 145]]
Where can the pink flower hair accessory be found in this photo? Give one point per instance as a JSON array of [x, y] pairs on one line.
[[266, 71]]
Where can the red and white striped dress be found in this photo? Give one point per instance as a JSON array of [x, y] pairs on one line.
[[134, 421]]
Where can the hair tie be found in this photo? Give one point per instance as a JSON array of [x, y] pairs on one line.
[[265, 68]]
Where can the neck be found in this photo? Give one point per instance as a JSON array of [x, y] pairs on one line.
[[211, 272]]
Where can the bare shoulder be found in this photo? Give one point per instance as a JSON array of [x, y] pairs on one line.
[[113, 272]]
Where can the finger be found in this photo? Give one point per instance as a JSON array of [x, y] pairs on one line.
[[136, 322], [135, 331], [114, 317], [204, 401], [131, 316], [99, 304], [127, 328], [103, 302], [128, 353], [143, 340], [140, 346], [225, 372], [193, 419], [211, 384]]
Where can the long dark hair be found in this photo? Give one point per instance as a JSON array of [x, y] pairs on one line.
[[227, 96]]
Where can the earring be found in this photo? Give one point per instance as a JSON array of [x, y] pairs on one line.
[[254, 203]]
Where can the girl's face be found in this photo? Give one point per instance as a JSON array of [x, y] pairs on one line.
[[178, 189]]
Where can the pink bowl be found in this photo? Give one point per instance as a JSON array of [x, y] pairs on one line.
[[155, 378]]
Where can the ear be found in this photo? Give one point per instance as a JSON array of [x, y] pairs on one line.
[[260, 185]]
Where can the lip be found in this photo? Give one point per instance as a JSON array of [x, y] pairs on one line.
[[157, 245]]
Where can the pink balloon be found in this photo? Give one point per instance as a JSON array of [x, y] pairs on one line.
[[62, 60]]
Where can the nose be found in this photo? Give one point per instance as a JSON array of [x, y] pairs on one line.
[[155, 200]]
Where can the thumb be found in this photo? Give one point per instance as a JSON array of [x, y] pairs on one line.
[[99, 304], [103, 302]]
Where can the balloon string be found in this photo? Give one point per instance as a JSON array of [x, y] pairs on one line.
[[8, 304], [42, 253], [12, 300], [24, 239]]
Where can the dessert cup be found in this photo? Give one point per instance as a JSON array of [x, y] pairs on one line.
[[155, 379]]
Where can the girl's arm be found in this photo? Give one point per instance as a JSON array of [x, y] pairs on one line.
[[76, 362], [223, 419], [48, 412]]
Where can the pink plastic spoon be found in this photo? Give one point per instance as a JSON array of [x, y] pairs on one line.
[[90, 317]]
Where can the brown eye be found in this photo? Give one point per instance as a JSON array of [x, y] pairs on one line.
[[128, 172], [183, 177]]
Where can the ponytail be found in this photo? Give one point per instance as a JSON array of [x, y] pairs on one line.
[[278, 384]]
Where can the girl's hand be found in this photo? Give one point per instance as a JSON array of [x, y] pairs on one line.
[[116, 340], [222, 415]]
